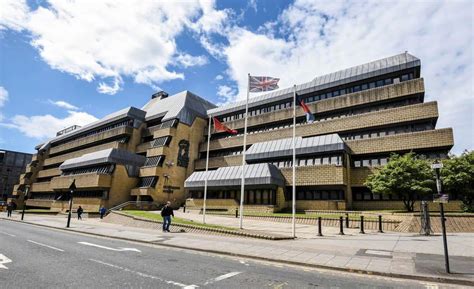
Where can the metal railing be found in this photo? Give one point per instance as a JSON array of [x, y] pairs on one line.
[[123, 205]]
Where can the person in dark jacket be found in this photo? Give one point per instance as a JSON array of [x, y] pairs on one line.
[[102, 212], [9, 209], [79, 213], [166, 213]]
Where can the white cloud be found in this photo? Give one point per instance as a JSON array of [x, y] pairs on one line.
[[109, 39], [13, 14], [315, 38], [3, 96], [219, 77], [63, 104], [46, 126], [227, 93], [186, 60]]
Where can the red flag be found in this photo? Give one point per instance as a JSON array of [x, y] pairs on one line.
[[220, 127]]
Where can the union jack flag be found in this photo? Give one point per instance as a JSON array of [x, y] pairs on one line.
[[262, 83]]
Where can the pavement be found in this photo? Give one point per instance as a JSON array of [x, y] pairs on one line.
[[40, 257], [396, 255]]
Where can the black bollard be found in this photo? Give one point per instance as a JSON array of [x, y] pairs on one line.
[[320, 229], [347, 220], [184, 209], [362, 225], [236, 212], [380, 224], [341, 227]]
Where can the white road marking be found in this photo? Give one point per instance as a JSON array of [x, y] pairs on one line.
[[108, 248], [47, 246], [4, 260], [377, 252], [430, 285], [7, 234], [222, 277], [146, 275]]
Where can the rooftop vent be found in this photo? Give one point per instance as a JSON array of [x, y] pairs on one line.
[[160, 95]]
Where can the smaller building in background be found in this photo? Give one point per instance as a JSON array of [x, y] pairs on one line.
[[12, 165]]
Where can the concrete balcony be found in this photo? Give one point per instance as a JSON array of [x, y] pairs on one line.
[[359, 175], [164, 132], [316, 175], [41, 187], [92, 180], [61, 158], [153, 152], [39, 203], [430, 139], [87, 140], [218, 162], [150, 171], [143, 147], [394, 91], [49, 173], [404, 114], [142, 191]]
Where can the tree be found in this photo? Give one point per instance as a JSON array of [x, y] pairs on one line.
[[405, 176], [458, 177]]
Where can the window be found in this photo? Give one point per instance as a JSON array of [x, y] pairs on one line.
[[357, 164], [147, 182], [366, 163], [379, 83], [372, 85], [325, 160], [405, 77], [161, 141], [364, 86], [356, 88], [101, 169], [154, 161], [388, 81]]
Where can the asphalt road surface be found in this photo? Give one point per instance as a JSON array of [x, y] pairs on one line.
[[38, 257]]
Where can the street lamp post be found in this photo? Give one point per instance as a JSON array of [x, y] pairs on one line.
[[441, 199], [25, 196], [72, 188]]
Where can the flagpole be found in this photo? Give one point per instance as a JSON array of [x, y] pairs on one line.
[[244, 148], [293, 205], [207, 168]]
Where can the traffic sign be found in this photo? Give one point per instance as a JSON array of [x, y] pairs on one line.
[[436, 166]]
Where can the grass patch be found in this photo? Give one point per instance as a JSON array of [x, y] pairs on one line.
[[175, 220]]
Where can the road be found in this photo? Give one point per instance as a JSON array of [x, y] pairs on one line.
[[38, 257]]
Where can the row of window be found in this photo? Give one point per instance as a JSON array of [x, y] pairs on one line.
[[102, 169], [323, 117], [308, 194], [330, 94], [128, 122], [165, 124], [148, 182], [388, 131], [383, 160], [154, 161], [253, 197], [310, 161], [65, 196]]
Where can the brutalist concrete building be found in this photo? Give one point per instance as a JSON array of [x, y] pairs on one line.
[[158, 152]]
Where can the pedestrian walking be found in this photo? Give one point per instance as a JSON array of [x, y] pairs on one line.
[[9, 209], [166, 213], [79, 213], [102, 211]]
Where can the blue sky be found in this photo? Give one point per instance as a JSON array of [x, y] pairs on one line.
[[70, 62]]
